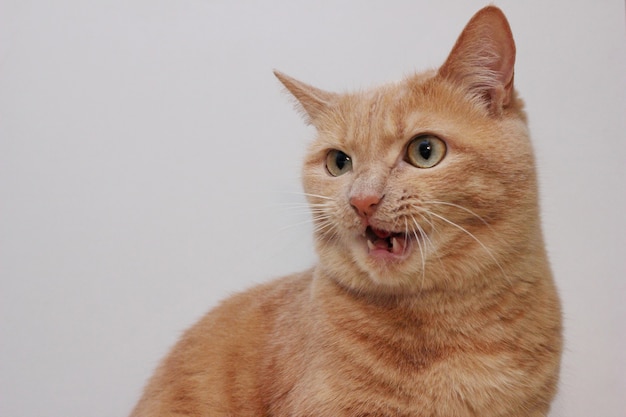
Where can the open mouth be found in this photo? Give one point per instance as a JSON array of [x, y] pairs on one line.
[[384, 242]]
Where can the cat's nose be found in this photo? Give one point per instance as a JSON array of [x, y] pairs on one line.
[[365, 205]]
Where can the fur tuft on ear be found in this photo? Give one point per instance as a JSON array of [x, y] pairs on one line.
[[312, 101], [483, 58]]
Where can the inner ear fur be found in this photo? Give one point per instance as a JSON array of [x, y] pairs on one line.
[[483, 59]]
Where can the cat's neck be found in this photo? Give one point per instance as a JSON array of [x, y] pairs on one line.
[[329, 293], [441, 307]]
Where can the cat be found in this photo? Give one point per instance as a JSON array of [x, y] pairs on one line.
[[433, 295]]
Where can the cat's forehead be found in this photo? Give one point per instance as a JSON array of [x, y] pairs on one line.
[[376, 119]]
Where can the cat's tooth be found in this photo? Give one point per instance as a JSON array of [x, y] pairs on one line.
[[394, 245], [370, 245]]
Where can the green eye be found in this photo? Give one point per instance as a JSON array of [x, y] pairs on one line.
[[338, 163], [425, 151]]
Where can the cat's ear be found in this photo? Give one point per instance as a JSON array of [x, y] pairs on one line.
[[312, 101], [483, 58]]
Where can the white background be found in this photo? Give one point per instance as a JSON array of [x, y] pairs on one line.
[[149, 167]]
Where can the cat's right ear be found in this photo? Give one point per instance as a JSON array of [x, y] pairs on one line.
[[312, 102]]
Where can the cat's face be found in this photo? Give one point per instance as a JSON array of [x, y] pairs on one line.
[[416, 184]]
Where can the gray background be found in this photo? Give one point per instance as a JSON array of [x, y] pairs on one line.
[[149, 167]]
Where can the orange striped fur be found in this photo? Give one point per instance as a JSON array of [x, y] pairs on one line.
[[433, 295]]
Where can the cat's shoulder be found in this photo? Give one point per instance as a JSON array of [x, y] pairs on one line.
[[273, 292], [243, 311]]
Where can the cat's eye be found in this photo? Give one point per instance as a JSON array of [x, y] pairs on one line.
[[338, 163], [425, 151]]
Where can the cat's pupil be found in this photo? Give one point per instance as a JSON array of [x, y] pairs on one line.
[[341, 160], [425, 149]]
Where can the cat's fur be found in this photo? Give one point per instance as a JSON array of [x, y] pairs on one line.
[[463, 320]]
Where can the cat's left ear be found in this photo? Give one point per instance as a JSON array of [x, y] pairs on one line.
[[483, 58], [313, 101]]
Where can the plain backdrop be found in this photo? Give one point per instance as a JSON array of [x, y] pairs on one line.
[[150, 162]]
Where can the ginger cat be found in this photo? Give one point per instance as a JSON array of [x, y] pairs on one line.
[[433, 295]]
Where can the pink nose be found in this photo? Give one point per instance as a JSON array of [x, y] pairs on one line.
[[365, 205]]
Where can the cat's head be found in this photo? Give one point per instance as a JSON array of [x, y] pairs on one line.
[[429, 182]]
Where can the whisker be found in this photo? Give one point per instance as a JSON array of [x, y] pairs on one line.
[[323, 225], [302, 209], [421, 211], [301, 193], [299, 205], [428, 241], [465, 209], [327, 228], [290, 226], [482, 245], [419, 246], [323, 197], [406, 233], [423, 232]]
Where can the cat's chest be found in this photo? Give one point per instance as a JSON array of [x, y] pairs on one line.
[[361, 359], [457, 385], [367, 373]]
